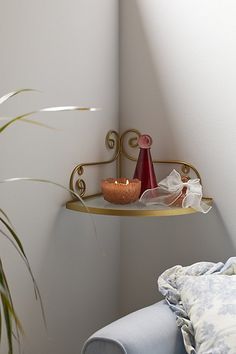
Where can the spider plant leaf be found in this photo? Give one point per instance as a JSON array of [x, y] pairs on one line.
[[13, 233], [68, 108], [48, 109], [41, 180], [8, 324], [0, 326], [13, 120], [8, 299], [20, 249], [18, 326], [6, 217], [14, 245], [6, 312], [18, 245], [8, 309], [29, 179], [25, 120], [14, 93], [16, 238], [40, 124]]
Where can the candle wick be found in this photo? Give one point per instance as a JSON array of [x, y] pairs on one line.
[[122, 183]]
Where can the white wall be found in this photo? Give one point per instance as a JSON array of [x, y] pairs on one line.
[[177, 80], [69, 50], [177, 83]]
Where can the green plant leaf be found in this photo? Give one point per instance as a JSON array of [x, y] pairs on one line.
[[40, 180], [48, 109], [7, 323], [16, 238], [6, 312], [40, 124], [18, 326], [25, 120], [0, 326], [6, 217], [18, 245], [14, 93]]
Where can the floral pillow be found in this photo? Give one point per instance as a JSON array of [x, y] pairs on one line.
[[203, 296]]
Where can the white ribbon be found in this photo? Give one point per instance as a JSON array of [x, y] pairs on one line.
[[170, 189]]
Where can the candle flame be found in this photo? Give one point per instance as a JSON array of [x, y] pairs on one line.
[[126, 182]]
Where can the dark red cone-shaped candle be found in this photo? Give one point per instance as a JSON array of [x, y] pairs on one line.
[[144, 170]]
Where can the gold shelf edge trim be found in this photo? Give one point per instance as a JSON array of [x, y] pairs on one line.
[[77, 206]]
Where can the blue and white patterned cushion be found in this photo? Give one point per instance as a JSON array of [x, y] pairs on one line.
[[203, 296]]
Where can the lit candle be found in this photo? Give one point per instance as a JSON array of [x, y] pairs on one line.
[[121, 190], [126, 182]]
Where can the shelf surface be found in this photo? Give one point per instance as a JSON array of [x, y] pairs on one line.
[[97, 205]]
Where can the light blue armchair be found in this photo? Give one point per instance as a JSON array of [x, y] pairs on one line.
[[151, 330]]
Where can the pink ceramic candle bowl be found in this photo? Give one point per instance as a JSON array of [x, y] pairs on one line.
[[121, 190]]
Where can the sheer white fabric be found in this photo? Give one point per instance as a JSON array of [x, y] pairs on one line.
[[170, 189]]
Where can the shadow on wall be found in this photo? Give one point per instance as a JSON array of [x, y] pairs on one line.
[[141, 102], [78, 280], [151, 245]]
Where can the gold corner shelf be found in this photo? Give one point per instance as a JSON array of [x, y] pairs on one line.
[[122, 146], [97, 205]]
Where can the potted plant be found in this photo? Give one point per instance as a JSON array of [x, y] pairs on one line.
[[8, 316]]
